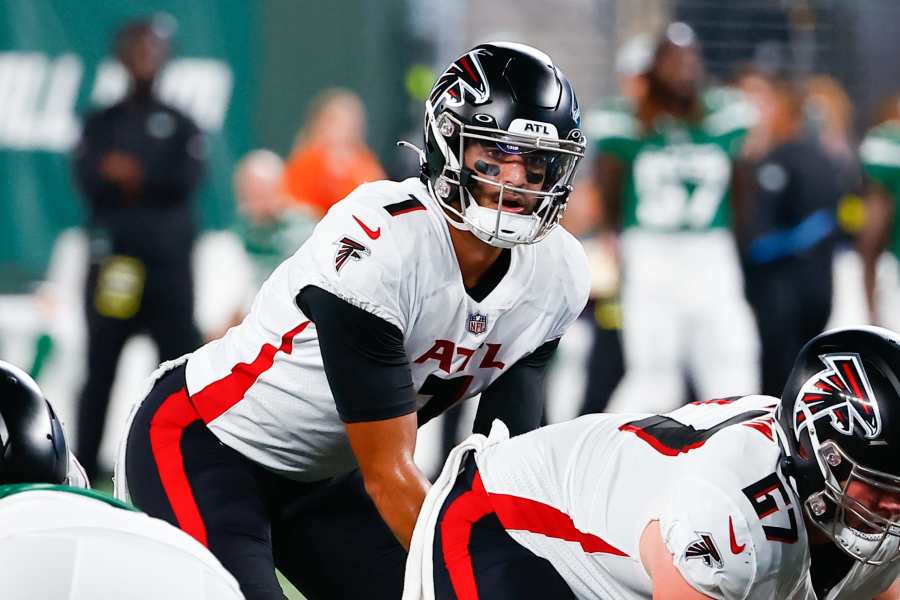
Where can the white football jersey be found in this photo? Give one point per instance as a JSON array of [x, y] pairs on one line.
[[386, 249], [581, 493], [65, 544]]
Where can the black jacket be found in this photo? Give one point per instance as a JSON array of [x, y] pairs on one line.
[[155, 224]]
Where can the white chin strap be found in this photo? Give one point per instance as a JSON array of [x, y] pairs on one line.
[[514, 228], [869, 546]]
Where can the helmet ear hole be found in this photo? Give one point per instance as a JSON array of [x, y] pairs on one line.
[[4, 436]]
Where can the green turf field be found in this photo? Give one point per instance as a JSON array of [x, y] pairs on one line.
[[289, 590]]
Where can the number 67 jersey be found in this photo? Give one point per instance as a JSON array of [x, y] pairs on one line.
[[581, 493]]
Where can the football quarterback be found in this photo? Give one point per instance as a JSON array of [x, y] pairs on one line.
[[408, 298], [59, 539], [746, 497]]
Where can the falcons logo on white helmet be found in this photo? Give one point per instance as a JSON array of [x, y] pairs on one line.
[[842, 393]]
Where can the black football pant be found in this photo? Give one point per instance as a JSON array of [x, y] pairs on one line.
[[478, 560], [606, 364], [326, 538], [166, 314]]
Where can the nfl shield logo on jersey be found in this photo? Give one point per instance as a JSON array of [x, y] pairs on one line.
[[477, 323]]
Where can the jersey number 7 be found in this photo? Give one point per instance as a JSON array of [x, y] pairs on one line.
[[444, 394]]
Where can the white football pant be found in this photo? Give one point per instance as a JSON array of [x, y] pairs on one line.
[[684, 313]]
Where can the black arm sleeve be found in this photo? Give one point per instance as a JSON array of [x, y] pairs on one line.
[[365, 362], [517, 397]]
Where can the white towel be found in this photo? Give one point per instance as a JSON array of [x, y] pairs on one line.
[[418, 583]]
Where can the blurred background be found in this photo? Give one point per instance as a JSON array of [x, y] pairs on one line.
[[289, 105]]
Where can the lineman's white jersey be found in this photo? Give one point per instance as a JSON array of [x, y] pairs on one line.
[[62, 544], [386, 249], [726, 513]]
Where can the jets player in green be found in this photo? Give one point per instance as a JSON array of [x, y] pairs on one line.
[[665, 171], [59, 539], [880, 156]]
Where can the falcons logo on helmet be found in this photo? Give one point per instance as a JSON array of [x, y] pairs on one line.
[[348, 248], [465, 76], [841, 392], [704, 549]]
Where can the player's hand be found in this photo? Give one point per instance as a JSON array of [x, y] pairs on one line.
[[122, 168]]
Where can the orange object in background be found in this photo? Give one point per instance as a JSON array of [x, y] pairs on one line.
[[317, 177], [330, 158]]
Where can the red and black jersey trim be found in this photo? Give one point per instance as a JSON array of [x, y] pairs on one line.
[[406, 206]]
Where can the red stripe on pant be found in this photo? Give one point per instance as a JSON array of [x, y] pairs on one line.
[[166, 429], [179, 410], [456, 530], [515, 514]]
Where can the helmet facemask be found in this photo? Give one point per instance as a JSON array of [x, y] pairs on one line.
[[854, 527], [453, 186]]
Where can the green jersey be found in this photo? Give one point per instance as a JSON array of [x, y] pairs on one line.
[[18, 488], [677, 175], [880, 155], [269, 244]]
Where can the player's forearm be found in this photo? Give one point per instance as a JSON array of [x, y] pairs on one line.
[[384, 451], [398, 494]]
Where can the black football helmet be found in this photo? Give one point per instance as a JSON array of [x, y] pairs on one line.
[[512, 96], [32, 443], [840, 413]]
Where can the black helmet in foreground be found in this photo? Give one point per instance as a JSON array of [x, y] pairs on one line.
[[32, 443]]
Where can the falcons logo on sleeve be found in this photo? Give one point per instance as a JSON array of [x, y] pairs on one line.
[[841, 392], [465, 76], [348, 248], [704, 549]]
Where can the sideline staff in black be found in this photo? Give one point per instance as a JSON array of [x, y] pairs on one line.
[[137, 165]]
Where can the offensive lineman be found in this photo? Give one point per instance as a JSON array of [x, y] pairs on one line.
[[409, 297], [59, 539], [746, 497], [665, 169]]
